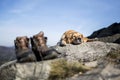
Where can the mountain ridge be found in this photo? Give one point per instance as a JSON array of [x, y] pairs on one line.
[[106, 31]]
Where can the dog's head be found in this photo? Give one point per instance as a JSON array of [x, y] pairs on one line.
[[21, 42], [76, 38], [39, 39]]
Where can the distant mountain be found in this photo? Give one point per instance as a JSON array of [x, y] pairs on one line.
[[108, 34], [6, 54], [109, 31]]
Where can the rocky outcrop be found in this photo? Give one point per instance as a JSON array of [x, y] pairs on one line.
[[44, 70], [111, 39], [26, 71], [87, 52], [104, 71], [109, 31], [92, 55], [109, 34]]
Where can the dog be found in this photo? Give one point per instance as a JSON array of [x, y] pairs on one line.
[[22, 50], [73, 37]]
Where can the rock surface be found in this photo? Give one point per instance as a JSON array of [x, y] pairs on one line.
[[87, 52], [93, 53], [106, 72], [26, 71], [39, 70], [111, 39]]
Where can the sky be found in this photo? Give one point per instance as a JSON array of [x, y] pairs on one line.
[[54, 17]]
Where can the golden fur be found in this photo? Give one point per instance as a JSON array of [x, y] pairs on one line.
[[73, 37]]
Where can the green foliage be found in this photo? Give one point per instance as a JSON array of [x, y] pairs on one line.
[[62, 69]]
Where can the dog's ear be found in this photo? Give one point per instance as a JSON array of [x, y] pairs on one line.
[[82, 36]]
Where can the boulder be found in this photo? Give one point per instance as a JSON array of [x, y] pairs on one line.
[[44, 70], [87, 52], [103, 72], [73, 64]]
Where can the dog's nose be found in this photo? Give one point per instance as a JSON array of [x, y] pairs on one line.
[[79, 39]]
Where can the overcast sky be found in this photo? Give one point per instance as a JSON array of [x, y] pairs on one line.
[[54, 17]]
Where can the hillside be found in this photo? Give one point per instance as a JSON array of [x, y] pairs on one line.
[[108, 34], [6, 54], [108, 31]]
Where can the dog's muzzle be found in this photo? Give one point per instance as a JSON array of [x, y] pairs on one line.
[[77, 41]]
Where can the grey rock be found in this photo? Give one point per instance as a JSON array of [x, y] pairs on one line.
[[32, 71], [90, 52], [92, 64], [26, 71], [106, 72], [111, 39], [87, 52]]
